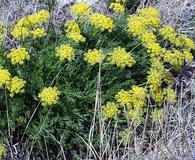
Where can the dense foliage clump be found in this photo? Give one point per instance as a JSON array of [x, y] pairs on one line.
[[48, 82]]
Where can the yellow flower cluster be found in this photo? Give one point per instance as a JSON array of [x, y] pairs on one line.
[[80, 9], [121, 58], [179, 40], [158, 115], [143, 27], [5, 77], [110, 110], [155, 50], [2, 150], [101, 22], [76, 37], [123, 97], [117, 7], [155, 79], [146, 18], [148, 12], [138, 96], [2, 33], [170, 95], [65, 51], [20, 33], [24, 28], [49, 96], [186, 42], [94, 56], [73, 32], [188, 57], [136, 115], [72, 26], [16, 86], [18, 55], [174, 57], [38, 33]]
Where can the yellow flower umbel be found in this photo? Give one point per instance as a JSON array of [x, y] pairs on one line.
[[110, 110], [117, 7], [136, 115], [80, 9], [72, 26], [38, 33], [25, 25], [168, 33], [186, 42], [138, 97], [65, 51], [2, 150], [155, 79], [123, 97], [76, 37], [121, 58], [170, 95], [16, 86], [175, 58], [49, 96], [101, 22], [73, 32], [155, 50], [20, 33], [5, 77], [42, 16], [188, 57], [18, 56], [148, 12], [94, 56]]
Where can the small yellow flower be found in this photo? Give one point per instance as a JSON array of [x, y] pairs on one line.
[[18, 56], [72, 26], [136, 115], [138, 97], [93, 56], [38, 33], [5, 77], [188, 57], [110, 110], [158, 95], [101, 22], [117, 7], [123, 97], [42, 16], [174, 57], [155, 79], [80, 9], [16, 86], [65, 51], [20, 33], [121, 58], [147, 12], [76, 37], [170, 95], [49, 96]]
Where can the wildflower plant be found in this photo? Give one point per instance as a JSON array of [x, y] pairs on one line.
[[50, 80]]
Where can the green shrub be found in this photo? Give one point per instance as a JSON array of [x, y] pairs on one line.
[[54, 93]]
